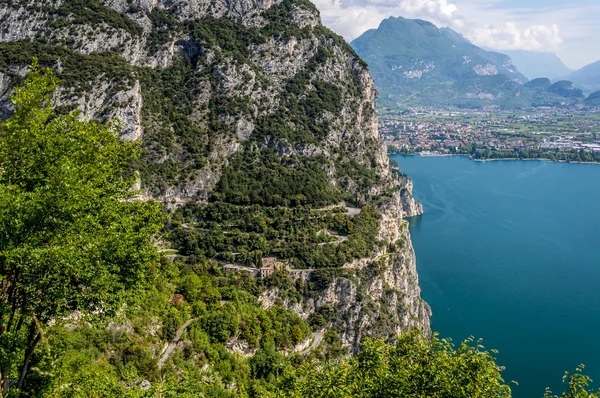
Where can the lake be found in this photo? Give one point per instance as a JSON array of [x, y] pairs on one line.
[[509, 251]]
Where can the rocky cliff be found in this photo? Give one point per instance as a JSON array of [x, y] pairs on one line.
[[378, 296], [245, 103]]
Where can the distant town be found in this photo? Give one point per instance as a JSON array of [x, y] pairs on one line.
[[549, 133]]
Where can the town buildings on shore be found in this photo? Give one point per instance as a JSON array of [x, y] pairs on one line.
[[454, 132]]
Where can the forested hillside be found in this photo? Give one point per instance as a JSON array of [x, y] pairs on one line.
[[258, 136]]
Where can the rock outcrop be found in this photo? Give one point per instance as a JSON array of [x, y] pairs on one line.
[[410, 206], [214, 88]]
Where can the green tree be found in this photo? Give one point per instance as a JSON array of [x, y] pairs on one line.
[[414, 367], [267, 363], [70, 240], [297, 334], [577, 386]]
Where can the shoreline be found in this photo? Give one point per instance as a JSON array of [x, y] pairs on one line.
[[444, 155], [539, 159]]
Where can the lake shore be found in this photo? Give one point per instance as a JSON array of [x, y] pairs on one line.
[[444, 155]]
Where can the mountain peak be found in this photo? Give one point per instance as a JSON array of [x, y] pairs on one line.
[[542, 83], [424, 23], [454, 35], [412, 59]]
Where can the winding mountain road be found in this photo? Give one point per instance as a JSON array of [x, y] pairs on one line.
[[173, 343], [317, 338]]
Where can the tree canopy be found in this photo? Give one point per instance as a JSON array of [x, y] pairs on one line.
[[413, 367], [70, 237]]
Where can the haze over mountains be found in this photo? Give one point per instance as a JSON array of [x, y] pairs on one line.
[[544, 64], [539, 64], [587, 78], [415, 63]]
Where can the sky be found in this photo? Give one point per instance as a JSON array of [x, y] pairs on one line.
[[569, 28]]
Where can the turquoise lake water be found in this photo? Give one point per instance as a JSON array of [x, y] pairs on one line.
[[509, 251]]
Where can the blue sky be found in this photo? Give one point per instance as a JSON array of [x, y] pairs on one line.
[[569, 28]]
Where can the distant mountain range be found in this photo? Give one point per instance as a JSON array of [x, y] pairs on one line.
[[539, 64], [412, 61], [587, 78], [415, 63], [535, 65]]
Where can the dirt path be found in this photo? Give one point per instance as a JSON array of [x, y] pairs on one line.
[[173, 343]]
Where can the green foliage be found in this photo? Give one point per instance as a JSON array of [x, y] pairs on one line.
[[265, 178], [414, 367], [230, 36], [76, 376], [303, 237], [70, 238], [554, 155], [304, 101], [333, 345], [279, 17], [169, 130], [164, 24], [267, 363], [78, 71], [122, 356], [577, 386], [88, 12]]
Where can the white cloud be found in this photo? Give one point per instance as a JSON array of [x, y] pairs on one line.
[[351, 18], [438, 9], [510, 37]]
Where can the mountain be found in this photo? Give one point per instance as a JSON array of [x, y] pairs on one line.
[[259, 136], [539, 64], [542, 92], [586, 78], [593, 99], [566, 89], [539, 84], [414, 62]]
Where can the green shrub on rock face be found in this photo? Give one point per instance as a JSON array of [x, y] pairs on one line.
[[299, 236], [87, 12], [267, 179]]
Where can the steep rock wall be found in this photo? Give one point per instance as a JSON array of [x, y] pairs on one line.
[[232, 88]]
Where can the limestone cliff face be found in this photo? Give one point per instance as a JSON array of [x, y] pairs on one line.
[[238, 75], [208, 85], [410, 206], [377, 296]]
